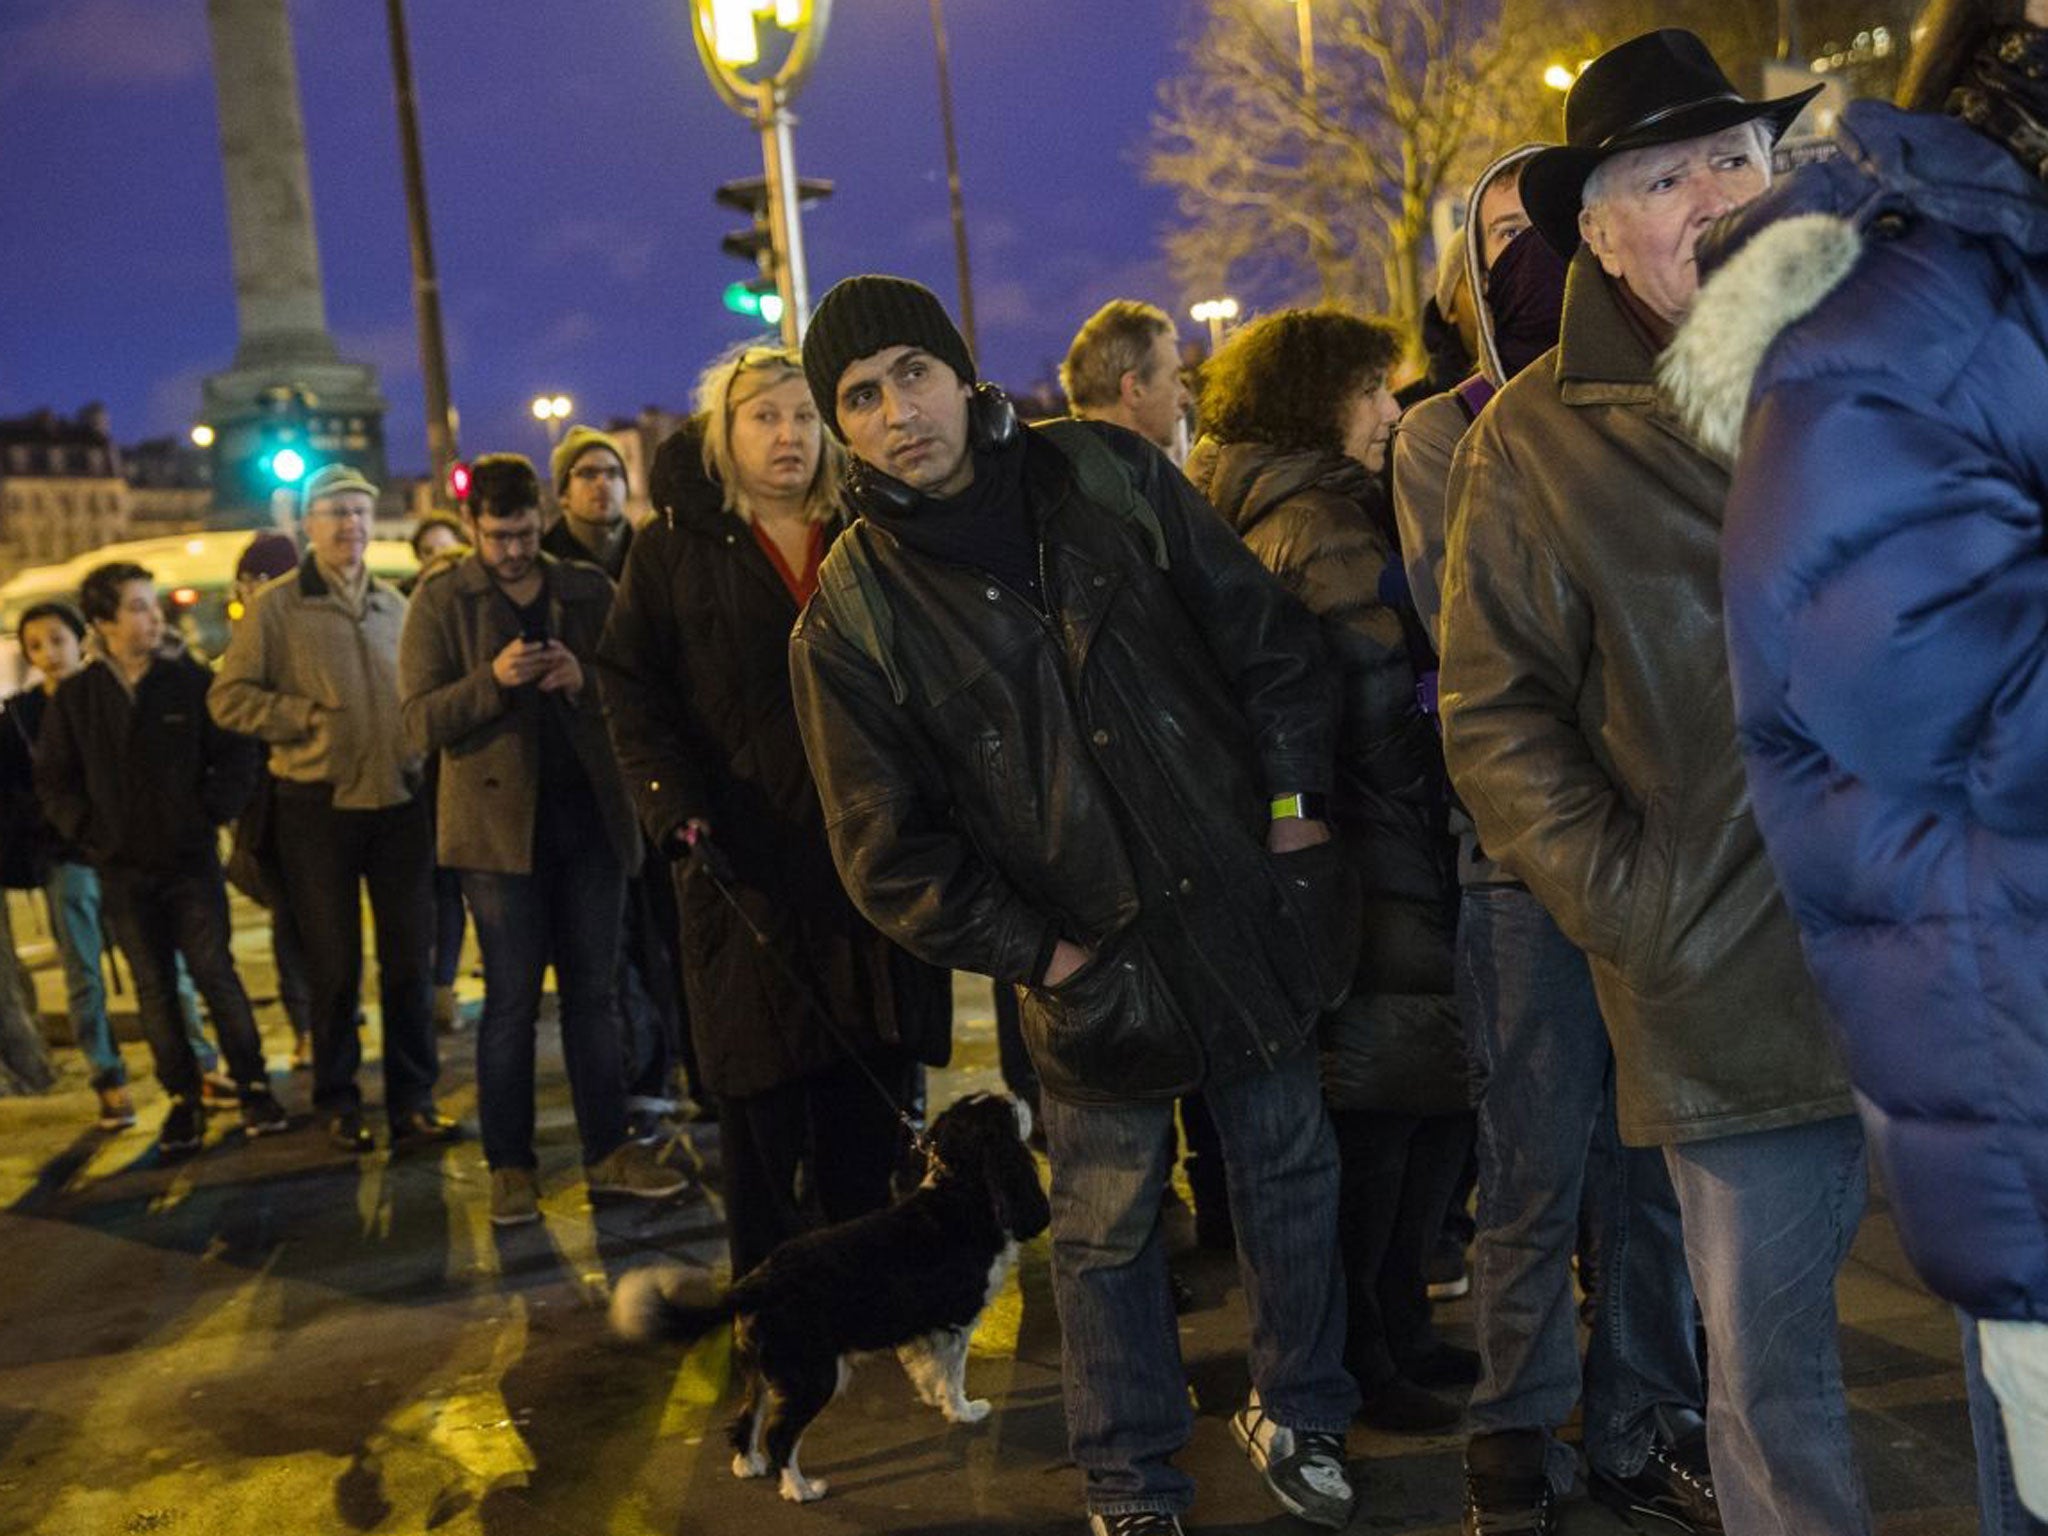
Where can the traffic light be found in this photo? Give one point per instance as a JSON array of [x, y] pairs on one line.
[[757, 298], [458, 482], [761, 297], [287, 466]]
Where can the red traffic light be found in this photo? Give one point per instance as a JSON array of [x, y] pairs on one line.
[[458, 480]]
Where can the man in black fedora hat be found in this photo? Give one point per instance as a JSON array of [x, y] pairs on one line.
[[1589, 727]]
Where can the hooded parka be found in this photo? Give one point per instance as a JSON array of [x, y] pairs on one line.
[[1886, 569]]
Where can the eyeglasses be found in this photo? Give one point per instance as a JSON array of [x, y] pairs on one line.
[[591, 473]]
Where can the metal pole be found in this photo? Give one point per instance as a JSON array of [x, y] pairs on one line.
[[1788, 30], [785, 214], [953, 177], [1304, 20], [426, 287]]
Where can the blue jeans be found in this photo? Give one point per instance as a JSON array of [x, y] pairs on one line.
[[1999, 1510], [1549, 1152], [1126, 1395], [72, 893], [568, 910], [1769, 1217]]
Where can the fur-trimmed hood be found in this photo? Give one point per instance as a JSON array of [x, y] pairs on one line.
[[1778, 278], [1775, 262]]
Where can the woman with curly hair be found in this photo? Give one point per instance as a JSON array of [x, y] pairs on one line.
[[1297, 417]]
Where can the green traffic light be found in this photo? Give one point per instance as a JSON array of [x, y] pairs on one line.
[[288, 466], [747, 299]]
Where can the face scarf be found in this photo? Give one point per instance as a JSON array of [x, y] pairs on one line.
[[1525, 292], [2004, 94]]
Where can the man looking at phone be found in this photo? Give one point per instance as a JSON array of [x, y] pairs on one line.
[[534, 816]]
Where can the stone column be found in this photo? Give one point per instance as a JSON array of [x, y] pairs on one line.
[[288, 386], [270, 195]]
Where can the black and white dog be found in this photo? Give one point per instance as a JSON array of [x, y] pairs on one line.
[[913, 1278]]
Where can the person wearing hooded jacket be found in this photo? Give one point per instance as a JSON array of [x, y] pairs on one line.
[[804, 1045], [1871, 348], [1551, 1162], [1298, 414]]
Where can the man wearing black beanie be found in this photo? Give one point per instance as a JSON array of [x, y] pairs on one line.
[[1070, 734]]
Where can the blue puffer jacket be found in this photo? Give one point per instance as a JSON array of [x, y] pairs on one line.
[[1879, 369]]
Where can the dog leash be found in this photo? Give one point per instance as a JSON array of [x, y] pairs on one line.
[[715, 867]]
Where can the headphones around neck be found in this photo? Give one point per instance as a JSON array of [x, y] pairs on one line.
[[991, 424]]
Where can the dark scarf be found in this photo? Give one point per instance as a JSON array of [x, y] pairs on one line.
[[2004, 94], [1656, 332], [1525, 295], [987, 526]]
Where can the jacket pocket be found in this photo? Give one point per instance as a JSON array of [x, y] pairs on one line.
[[1649, 888], [1319, 901], [1111, 1032]]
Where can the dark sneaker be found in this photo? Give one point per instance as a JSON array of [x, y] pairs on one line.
[[515, 1197], [633, 1169], [1673, 1485], [1304, 1468], [1506, 1490], [184, 1128], [347, 1133], [1135, 1522], [117, 1109], [1446, 1272], [262, 1115], [219, 1091], [1509, 1506], [423, 1128]]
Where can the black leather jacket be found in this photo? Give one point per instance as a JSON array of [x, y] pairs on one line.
[[1098, 772]]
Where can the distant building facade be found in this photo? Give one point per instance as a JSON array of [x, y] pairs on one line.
[[62, 488]]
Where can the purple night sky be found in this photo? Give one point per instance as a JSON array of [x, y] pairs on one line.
[[571, 152]]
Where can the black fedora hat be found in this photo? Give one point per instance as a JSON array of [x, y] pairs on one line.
[[1661, 88]]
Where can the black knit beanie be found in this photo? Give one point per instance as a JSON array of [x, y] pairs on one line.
[[862, 315]]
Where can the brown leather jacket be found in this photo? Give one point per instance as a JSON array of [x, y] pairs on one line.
[[1590, 729]]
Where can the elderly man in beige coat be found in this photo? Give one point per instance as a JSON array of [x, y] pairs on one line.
[[312, 670]]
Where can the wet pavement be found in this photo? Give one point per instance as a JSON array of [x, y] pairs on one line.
[[278, 1338]]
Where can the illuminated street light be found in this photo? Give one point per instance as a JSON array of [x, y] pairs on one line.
[[760, 88], [551, 411], [1216, 313], [1559, 77], [202, 436]]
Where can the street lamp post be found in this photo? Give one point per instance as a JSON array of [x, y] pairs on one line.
[[426, 284], [1217, 313], [1305, 25], [728, 36], [953, 175], [552, 412]]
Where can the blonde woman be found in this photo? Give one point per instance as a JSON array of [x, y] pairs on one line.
[[695, 673]]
